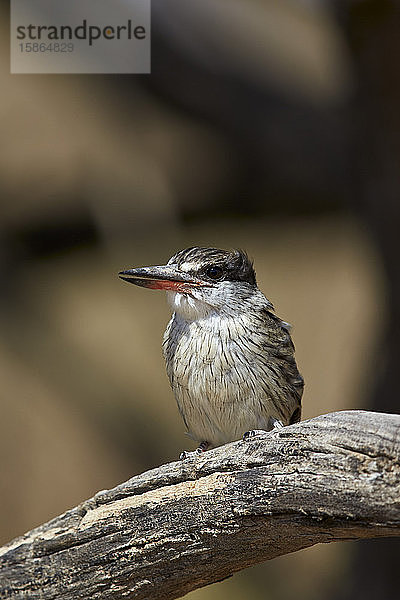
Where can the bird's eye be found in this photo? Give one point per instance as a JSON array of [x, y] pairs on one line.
[[214, 272]]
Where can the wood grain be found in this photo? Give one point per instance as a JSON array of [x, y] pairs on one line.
[[190, 523]]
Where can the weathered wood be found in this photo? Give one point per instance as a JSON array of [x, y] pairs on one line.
[[187, 524]]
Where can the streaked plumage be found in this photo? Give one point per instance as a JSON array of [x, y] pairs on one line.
[[229, 359]]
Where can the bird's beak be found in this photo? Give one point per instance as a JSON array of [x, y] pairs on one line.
[[162, 278]]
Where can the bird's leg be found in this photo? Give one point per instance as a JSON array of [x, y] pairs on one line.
[[275, 424], [202, 448]]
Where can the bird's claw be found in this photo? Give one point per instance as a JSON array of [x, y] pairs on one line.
[[202, 448], [276, 423], [185, 454]]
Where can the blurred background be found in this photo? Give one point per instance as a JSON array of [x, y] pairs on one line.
[[267, 125]]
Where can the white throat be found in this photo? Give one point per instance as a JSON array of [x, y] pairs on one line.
[[188, 307]]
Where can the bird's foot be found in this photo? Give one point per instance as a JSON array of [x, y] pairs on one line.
[[202, 448], [275, 424], [186, 454]]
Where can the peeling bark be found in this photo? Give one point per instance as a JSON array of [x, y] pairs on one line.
[[187, 524]]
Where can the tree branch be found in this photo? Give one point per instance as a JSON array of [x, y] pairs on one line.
[[187, 524]]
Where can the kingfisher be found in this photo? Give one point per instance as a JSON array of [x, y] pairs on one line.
[[229, 359]]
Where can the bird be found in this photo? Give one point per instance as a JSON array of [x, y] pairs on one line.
[[229, 359]]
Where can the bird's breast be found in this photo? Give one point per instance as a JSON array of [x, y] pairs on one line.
[[191, 345], [224, 378]]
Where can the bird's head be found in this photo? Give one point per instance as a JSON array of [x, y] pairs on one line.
[[200, 280]]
